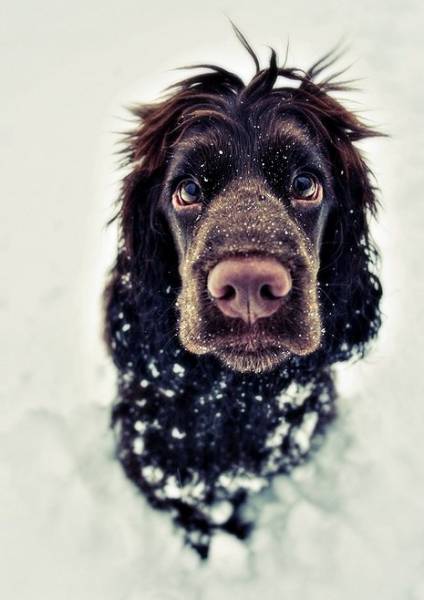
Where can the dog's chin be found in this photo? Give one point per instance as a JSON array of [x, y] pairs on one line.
[[254, 351], [250, 354], [251, 361]]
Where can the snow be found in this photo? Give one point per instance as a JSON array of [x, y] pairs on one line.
[[349, 524], [302, 435], [138, 445], [178, 369], [153, 369], [177, 434], [221, 511]]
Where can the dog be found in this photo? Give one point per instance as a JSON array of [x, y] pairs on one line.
[[245, 270]]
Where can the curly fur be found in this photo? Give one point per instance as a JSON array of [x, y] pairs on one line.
[[195, 436]]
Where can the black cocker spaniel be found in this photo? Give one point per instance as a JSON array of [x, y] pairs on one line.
[[245, 270]]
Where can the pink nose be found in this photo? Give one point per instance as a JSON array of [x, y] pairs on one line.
[[249, 288]]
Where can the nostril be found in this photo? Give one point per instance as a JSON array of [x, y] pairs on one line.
[[223, 292], [266, 293], [228, 293]]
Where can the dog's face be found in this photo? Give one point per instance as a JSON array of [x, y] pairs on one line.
[[247, 206]]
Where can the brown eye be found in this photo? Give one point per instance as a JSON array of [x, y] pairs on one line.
[[187, 192], [306, 187]]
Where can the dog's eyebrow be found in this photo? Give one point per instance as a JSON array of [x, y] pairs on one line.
[[204, 139], [201, 147], [205, 143], [203, 150], [287, 129], [292, 138]]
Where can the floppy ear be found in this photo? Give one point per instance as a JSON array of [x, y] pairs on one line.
[[350, 288], [146, 240], [143, 279]]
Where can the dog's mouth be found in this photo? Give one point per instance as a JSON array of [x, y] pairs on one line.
[[253, 340], [248, 343], [251, 353]]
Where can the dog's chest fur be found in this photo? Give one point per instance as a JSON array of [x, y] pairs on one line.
[[197, 439]]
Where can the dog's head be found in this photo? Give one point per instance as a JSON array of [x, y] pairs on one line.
[[246, 210]]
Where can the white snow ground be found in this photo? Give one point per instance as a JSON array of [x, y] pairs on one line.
[[348, 525]]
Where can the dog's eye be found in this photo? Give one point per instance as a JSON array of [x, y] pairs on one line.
[[187, 192], [306, 187]]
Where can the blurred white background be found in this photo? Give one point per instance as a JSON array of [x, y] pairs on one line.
[[348, 525]]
